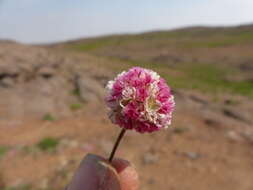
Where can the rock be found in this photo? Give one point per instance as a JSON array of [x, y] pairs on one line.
[[231, 102], [35, 81], [198, 99], [44, 183], [248, 135], [238, 115], [7, 79], [102, 79], [212, 122], [191, 155], [234, 136], [150, 158], [19, 182], [247, 66], [151, 181], [90, 90], [73, 144], [69, 143], [235, 78], [46, 72]]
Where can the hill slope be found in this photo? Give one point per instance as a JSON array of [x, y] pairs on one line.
[[52, 111], [209, 59]]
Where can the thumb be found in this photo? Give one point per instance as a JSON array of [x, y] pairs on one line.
[[129, 179], [95, 173]]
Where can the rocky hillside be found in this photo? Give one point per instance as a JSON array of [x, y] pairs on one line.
[[36, 82], [52, 111]]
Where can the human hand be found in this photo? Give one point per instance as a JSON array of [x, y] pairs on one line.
[[96, 173]]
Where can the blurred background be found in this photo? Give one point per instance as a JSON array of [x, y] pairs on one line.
[[57, 56]]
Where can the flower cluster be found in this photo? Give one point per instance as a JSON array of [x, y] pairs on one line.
[[140, 99]]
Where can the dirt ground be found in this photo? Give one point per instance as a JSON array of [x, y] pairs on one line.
[[52, 115], [191, 155]]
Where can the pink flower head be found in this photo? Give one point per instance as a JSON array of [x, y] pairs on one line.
[[140, 99]]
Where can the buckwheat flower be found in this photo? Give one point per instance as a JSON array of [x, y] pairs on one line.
[[140, 100]]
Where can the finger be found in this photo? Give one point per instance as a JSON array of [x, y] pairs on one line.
[[128, 176], [94, 173]]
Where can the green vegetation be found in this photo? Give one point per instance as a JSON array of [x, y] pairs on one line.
[[76, 92], [93, 44], [199, 38], [141, 49], [20, 187], [48, 144], [90, 46], [27, 149], [49, 117], [180, 130], [30, 150], [75, 107], [204, 77], [211, 78], [3, 150], [219, 40]]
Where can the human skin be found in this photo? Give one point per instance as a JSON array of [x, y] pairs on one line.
[[96, 173]]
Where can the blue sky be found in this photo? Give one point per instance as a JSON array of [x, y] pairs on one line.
[[42, 21]]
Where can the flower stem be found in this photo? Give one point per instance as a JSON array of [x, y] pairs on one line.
[[117, 144]]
